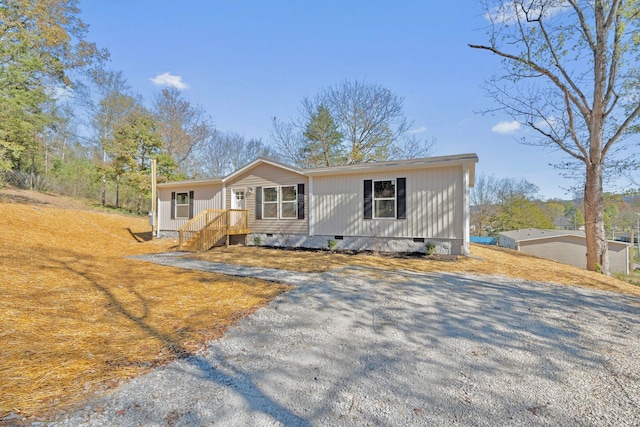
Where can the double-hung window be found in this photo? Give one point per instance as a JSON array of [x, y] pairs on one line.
[[384, 198], [289, 203], [182, 205], [284, 202], [270, 202]]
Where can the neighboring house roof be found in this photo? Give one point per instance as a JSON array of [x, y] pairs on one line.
[[422, 163], [529, 234]]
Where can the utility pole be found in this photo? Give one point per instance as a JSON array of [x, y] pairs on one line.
[[153, 214], [637, 232]]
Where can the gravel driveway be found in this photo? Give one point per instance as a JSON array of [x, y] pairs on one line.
[[362, 347]]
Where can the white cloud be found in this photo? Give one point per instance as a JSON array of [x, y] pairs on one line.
[[506, 127], [168, 79], [421, 129]]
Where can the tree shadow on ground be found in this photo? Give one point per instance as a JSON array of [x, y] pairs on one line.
[[141, 237], [137, 309]]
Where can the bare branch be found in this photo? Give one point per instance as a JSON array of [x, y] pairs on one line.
[[542, 70], [621, 130], [584, 26]]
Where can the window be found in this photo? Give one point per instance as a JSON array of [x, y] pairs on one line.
[[384, 198], [288, 205], [270, 202], [182, 205], [286, 202]]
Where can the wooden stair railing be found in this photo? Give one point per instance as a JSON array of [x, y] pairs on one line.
[[210, 226]]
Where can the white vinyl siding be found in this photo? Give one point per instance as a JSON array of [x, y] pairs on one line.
[[264, 176], [434, 205], [205, 196]]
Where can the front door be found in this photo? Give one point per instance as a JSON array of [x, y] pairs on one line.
[[237, 199], [237, 202]]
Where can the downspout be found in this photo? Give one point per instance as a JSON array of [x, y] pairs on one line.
[[158, 216], [465, 209], [310, 207]]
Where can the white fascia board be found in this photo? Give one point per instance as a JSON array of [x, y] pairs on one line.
[[424, 163]]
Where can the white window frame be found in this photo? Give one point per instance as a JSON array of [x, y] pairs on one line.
[[276, 202], [181, 205], [280, 201], [376, 199], [293, 202]]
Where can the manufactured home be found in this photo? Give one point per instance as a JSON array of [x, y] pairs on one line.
[[395, 206], [565, 246]]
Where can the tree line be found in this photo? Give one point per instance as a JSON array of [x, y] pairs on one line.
[[503, 204], [70, 124]]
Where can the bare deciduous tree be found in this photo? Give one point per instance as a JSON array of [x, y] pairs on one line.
[[571, 74], [225, 152], [369, 119], [182, 125], [108, 100], [483, 200]]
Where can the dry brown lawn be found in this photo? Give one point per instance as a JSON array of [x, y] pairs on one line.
[[76, 316], [484, 260]]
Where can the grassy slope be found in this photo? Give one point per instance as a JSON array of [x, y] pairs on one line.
[[76, 316]]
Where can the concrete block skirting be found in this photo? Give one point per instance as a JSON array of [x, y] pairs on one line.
[[356, 243], [167, 234]]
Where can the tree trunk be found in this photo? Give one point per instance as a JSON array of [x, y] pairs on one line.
[[103, 192], [117, 192], [597, 246]]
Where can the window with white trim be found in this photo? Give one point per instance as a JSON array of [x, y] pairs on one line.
[[270, 202], [384, 198], [182, 205], [289, 202]]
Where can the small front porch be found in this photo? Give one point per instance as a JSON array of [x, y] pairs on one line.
[[212, 227]]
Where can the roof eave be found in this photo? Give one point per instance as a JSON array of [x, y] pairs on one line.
[[423, 163], [258, 161], [186, 182]]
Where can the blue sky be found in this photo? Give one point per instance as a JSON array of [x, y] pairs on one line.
[[245, 62]]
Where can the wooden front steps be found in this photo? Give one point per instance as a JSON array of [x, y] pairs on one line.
[[211, 227]]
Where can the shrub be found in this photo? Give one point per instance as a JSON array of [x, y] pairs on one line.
[[430, 248], [332, 244], [257, 241]]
